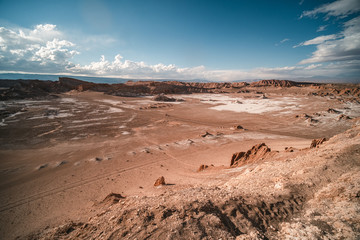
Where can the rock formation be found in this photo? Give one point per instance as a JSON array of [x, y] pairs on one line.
[[238, 127], [206, 134], [343, 117], [202, 168], [163, 98], [160, 181], [331, 110], [112, 198], [316, 142], [274, 83], [256, 153]]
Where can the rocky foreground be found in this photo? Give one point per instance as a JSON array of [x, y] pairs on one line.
[[314, 194], [260, 177]]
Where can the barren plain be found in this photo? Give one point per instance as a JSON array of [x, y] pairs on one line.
[[81, 164]]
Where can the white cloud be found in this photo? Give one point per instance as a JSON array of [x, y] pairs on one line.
[[284, 40], [128, 68], [38, 48], [330, 48], [321, 28], [318, 40], [44, 49], [313, 66], [339, 8]]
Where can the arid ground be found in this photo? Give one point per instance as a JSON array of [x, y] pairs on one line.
[[62, 155]]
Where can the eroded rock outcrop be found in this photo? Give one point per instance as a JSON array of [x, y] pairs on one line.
[[202, 167], [316, 142], [164, 98], [256, 153], [274, 83], [112, 198], [160, 181]]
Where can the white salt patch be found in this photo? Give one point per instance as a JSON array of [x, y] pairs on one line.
[[131, 118], [254, 105], [168, 102], [2, 123], [225, 102], [90, 120], [36, 117], [68, 100], [112, 102], [114, 110], [84, 125], [125, 133], [29, 101], [122, 126], [63, 115], [253, 135]]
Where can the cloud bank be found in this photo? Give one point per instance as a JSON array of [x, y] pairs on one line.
[[45, 49]]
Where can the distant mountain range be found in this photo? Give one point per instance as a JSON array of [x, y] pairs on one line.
[[16, 76]]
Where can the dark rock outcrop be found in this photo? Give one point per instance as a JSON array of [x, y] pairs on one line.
[[202, 168]]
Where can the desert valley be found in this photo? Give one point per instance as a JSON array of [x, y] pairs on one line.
[[272, 159]]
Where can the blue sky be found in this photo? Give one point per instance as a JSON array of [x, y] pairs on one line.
[[223, 40]]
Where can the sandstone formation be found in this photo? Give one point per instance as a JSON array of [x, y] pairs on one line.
[[331, 110], [163, 98], [316, 142], [156, 105], [238, 127], [112, 198], [256, 153], [202, 168], [160, 181], [206, 134], [274, 83], [343, 117]]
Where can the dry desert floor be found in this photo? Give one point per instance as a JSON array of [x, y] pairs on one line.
[[60, 157]]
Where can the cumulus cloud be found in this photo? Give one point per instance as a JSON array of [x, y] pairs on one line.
[[339, 8], [331, 48], [44, 49], [128, 68], [39, 48], [343, 46]]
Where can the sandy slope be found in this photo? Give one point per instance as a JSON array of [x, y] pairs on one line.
[[309, 196], [61, 157]]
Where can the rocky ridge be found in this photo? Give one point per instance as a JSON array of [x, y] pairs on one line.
[[22, 89]]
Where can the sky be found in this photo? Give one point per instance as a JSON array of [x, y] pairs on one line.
[[223, 40]]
